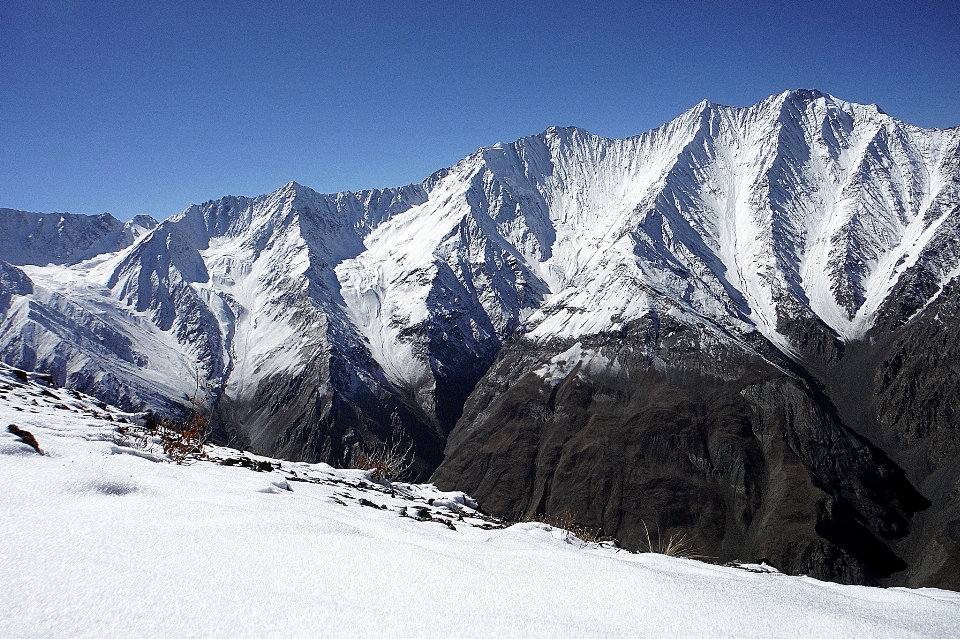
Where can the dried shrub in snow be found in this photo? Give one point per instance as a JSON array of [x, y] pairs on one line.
[[185, 440], [390, 460], [181, 441]]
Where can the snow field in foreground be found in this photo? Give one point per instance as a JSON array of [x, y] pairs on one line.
[[96, 541]]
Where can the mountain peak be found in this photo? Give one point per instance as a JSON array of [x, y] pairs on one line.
[[292, 188], [806, 95], [144, 220], [704, 104], [562, 136], [557, 130]]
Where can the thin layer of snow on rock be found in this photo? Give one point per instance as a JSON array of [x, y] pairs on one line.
[[583, 361], [102, 540]]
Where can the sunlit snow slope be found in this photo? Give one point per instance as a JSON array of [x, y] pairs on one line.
[[100, 537]]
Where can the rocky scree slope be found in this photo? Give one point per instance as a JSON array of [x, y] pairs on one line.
[[739, 325]]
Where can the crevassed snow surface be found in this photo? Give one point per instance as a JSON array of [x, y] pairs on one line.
[[99, 538]]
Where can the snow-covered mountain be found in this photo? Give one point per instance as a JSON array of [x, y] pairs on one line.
[[65, 238], [724, 304]]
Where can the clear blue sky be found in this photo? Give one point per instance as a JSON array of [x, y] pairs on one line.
[[147, 107]]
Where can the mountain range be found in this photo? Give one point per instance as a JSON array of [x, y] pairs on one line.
[[741, 326]]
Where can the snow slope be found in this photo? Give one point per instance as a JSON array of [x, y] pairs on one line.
[[101, 538]]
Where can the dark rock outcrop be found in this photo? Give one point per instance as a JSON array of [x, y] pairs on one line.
[[681, 433]]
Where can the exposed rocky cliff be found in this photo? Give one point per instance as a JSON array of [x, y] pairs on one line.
[[664, 428]]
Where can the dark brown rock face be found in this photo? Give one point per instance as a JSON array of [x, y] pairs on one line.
[[668, 428], [908, 402]]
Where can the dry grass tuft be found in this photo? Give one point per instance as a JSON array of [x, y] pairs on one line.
[[674, 546], [567, 520]]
